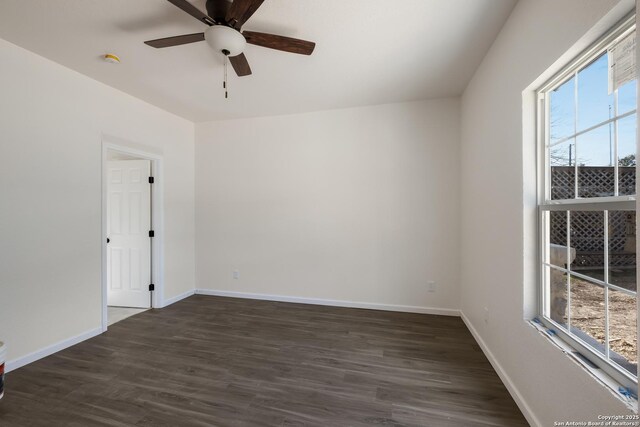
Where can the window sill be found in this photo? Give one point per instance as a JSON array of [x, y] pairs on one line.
[[630, 401]]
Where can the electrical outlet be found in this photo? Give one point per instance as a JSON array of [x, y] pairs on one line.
[[486, 315], [236, 274], [431, 286]]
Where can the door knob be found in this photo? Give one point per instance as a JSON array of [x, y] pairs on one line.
[[108, 240]]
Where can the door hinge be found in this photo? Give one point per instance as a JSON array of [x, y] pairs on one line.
[[152, 287], [152, 233], [151, 180]]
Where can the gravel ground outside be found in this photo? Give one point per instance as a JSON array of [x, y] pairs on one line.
[[587, 313]]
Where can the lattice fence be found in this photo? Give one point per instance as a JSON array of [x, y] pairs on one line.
[[587, 228], [593, 181]]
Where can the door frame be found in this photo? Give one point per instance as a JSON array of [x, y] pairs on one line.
[[121, 146]]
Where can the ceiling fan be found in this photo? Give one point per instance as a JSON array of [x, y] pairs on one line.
[[225, 19]]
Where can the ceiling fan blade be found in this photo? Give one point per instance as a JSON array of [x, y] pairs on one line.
[[240, 11], [193, 11], [240, 65], [273, 41], [175, 41]]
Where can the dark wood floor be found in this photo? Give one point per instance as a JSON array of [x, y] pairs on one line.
[[209, 361]]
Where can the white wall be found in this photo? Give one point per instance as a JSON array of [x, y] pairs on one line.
[[51, 120], [353, 205], [357, 205], [498, 181]]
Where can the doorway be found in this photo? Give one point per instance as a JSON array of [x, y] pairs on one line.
[[132, 218]]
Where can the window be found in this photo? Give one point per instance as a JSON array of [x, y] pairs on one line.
[[587, 135]]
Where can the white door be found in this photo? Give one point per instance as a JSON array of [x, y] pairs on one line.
[[128, 225]]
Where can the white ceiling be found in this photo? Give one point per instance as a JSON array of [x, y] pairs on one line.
[[368, 51]]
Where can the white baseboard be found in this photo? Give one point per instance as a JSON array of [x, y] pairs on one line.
[[177, 298], [517, 397], [333, 303], [54, 348]]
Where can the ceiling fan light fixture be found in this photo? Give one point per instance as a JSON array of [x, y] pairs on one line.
[[222, 38]]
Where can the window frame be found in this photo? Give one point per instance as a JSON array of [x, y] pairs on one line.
[[605, 204]]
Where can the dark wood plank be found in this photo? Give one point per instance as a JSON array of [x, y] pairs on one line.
[[230, 362]]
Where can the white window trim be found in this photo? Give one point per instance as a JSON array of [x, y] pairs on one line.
[[617, 203]]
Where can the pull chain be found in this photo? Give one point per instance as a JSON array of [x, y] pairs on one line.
[[224, 83]]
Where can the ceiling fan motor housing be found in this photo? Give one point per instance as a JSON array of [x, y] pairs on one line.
[[225, 39], [217, 9]]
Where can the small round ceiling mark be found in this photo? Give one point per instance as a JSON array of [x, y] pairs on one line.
[[111, 58]]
